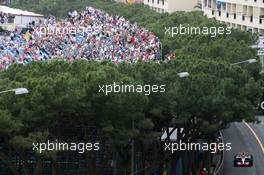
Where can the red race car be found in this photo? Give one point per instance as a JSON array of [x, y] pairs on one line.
[[243, 159]]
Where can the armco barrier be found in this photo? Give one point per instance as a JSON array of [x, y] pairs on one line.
[[219, 169]]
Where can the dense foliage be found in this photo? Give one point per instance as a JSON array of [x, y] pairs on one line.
[[66, 95]]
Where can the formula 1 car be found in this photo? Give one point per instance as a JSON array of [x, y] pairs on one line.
[[243, 159]]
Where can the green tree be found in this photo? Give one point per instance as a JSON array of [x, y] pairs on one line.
[[65, 95]]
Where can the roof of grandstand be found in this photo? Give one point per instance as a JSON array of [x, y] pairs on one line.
[[19, 12]]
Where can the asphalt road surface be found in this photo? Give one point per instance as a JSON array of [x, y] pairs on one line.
[[245, 137]]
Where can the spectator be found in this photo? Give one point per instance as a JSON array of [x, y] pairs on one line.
[[6, 18]]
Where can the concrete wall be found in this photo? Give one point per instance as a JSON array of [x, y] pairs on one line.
[[171, 5], [130, 1], [181, 5]]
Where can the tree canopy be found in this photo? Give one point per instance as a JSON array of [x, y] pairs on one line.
[[66, 94]]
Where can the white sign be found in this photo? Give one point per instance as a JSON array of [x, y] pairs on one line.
[[172, 135]]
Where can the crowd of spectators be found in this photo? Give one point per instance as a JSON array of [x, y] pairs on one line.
[[6, 18], [97, 36]]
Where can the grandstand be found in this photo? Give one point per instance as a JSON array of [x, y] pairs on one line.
[[91, 35]]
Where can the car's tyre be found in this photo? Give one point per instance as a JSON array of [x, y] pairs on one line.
[[235, 164], [251, 162]]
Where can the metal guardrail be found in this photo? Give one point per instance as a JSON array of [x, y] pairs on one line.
[[219, 170]]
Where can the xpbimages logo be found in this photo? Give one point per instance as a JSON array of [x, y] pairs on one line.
[[80, 147], [146, 89], [173, 143], [196, 30], [182, 146]]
